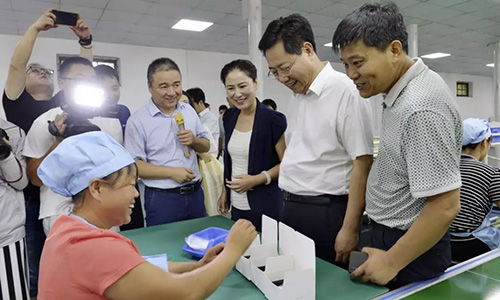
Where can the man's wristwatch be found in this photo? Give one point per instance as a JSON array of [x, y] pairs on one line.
[[85, 42], [53, 129]]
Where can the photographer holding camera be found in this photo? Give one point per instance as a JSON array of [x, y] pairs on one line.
[[13, 180], [28, 93], [77, 78]]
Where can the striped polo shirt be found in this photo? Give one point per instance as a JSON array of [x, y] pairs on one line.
[[419, 150], [480, 189]]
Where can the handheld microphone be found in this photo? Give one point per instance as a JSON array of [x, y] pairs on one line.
[[179, 119]]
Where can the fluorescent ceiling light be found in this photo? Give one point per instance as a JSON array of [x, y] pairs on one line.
[[491, 65], [436, 55], [192, 25], [328, 44]]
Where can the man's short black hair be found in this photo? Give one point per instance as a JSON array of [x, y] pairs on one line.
[[293, 31], [106, 71], [70, 61], [376, 25], [190, 99], [196, 94], [271, 103], [223, 107], [161, 64]]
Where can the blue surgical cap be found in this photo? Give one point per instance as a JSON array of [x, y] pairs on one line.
[[475, 131], [70, 167]]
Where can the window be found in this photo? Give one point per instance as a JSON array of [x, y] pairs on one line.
[[464, 89], [113, 62]]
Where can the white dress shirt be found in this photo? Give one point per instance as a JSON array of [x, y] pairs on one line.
[[212, 122], [328, 128], [38, 142]]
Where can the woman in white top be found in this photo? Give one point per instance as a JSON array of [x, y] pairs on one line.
[[254, 147]]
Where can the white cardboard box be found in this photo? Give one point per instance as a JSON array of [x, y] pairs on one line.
[[290, 272], [269, 246]]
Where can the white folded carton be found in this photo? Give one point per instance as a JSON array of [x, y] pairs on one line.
[[268, 247], [288, 273]]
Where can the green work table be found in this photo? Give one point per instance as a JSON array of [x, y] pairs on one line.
[[332, 282], [477, 278]]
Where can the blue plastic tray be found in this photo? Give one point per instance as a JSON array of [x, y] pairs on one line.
[[215, 236]]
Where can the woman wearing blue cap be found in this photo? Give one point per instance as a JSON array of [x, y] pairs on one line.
[[83, 259], [471, 231]]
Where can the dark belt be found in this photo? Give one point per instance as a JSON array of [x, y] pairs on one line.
[[183, 190], [314, 200]]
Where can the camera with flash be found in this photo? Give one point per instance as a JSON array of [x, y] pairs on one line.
[[87, 103]]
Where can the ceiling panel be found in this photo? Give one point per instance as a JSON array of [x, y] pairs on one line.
[[164, 10], [8, 15], [114, 25], [85, 12], [234, 20], [463, 28], [309, 6], [282, 12], [7, 24], [149, 30], [493, 30], [277, 3], [149, 20], [446, 3], [120, 16], [338, 10], [5, 4], [133, 6], [224, 29], [203, 15], [87, 3], [37, 7], [322, 20], [223, 6], [475, 5], [436, 27]]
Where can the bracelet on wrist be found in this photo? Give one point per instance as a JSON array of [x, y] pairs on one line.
[[268, 177], [85, 42]]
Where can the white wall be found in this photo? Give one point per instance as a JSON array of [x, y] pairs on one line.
[[202, 69], [480, 105], [198, 68]]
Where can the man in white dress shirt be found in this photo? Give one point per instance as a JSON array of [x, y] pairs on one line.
[[75, 72], [329, 141], [206, 116]]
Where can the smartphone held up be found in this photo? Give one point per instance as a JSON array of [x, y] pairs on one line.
[[65, 18]]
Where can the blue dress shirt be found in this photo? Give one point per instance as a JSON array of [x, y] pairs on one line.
[[151, 136]]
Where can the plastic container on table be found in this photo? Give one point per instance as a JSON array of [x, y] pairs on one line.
[[212, 235]]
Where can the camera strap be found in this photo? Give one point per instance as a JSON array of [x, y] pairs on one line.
[[20, 171]]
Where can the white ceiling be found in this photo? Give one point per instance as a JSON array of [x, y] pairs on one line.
[[463, 28]]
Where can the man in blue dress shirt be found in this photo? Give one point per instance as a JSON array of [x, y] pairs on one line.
[[152, 136]]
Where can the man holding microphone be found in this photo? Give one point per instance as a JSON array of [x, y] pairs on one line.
[[157, 142]]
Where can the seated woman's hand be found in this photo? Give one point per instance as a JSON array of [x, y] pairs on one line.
[[212, 253]]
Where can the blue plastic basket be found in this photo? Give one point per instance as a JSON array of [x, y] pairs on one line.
[[213, 234]]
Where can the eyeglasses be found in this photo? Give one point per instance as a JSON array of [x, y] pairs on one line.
[[282, 72], [40, 70]]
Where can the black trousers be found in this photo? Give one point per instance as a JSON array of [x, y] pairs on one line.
[[464, 250], [428, 265], [321, 223]]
